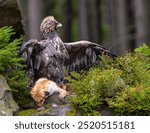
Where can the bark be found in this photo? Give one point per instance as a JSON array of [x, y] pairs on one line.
[[35, 17], [110, 20], [95, 20], [83, 20], [122, 30], [67, 21], [142, 21]]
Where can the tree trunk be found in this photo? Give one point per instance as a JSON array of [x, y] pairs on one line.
[[35, 18], [95, 20], [109, 18], [142, 21], [122, 30], [83, 20], [67, 21]]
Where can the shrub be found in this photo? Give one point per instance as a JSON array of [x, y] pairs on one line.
[[10, 65], [132, 101], [134, 70], [144, 50], [122, 84], [91, 89]]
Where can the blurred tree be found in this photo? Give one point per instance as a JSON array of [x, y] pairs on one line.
[[68, 21], [142, 21], [94, 15], [120, 25], [83, 20], [122, 29], [35, 15]]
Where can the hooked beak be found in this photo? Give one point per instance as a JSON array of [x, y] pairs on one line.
[[59, 25]]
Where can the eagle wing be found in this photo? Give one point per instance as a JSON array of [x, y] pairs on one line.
[[83, 54], [43, 60], [29, 49]]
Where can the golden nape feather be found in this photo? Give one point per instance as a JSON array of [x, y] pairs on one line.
[[49, 24]]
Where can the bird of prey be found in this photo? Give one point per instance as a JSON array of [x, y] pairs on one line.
[[48, 58]]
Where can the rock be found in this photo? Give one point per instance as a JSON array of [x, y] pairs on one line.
[[49, 110], [7, 104], [11, 16], [59, 106], [53, 106]]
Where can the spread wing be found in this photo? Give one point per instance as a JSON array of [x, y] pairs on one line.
[[30, 49], [43, 60], [83, 54]]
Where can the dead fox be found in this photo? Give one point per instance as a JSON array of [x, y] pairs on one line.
[[44, 88]]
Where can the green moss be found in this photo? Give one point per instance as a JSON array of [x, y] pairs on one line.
[[29, 112], [32, 112], [73, 111]]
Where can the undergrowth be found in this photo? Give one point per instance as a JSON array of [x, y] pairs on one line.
[[123, 84], [11, 67]]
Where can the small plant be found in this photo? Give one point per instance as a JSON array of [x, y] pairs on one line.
[[123, 85], [10, 65], [91, 89], [132, 101], [134, 70], [144, 49]]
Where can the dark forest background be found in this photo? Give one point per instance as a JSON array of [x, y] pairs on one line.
[[119, 25]]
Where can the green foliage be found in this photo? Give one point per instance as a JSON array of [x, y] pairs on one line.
[[91, 89], [134, 71], [132, 101], [10, 65], [122, 84], [144, 49]]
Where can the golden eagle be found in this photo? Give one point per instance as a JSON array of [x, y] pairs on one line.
[[48, 57]]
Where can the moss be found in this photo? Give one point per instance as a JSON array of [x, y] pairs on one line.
[[29, 112], [73, 111], [34, 112]]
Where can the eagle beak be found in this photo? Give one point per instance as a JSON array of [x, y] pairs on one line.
[[59, 25]]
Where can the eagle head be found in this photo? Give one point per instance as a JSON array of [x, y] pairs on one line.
[[48, 25]]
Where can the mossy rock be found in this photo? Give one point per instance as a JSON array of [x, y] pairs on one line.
[[29, 112], [54, 110], [8, 106]]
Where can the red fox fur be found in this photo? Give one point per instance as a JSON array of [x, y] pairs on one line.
[[44, 88]]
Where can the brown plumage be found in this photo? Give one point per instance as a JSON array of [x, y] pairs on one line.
[[48, 57]]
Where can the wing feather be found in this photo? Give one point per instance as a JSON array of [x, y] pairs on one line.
[[83, 54]]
